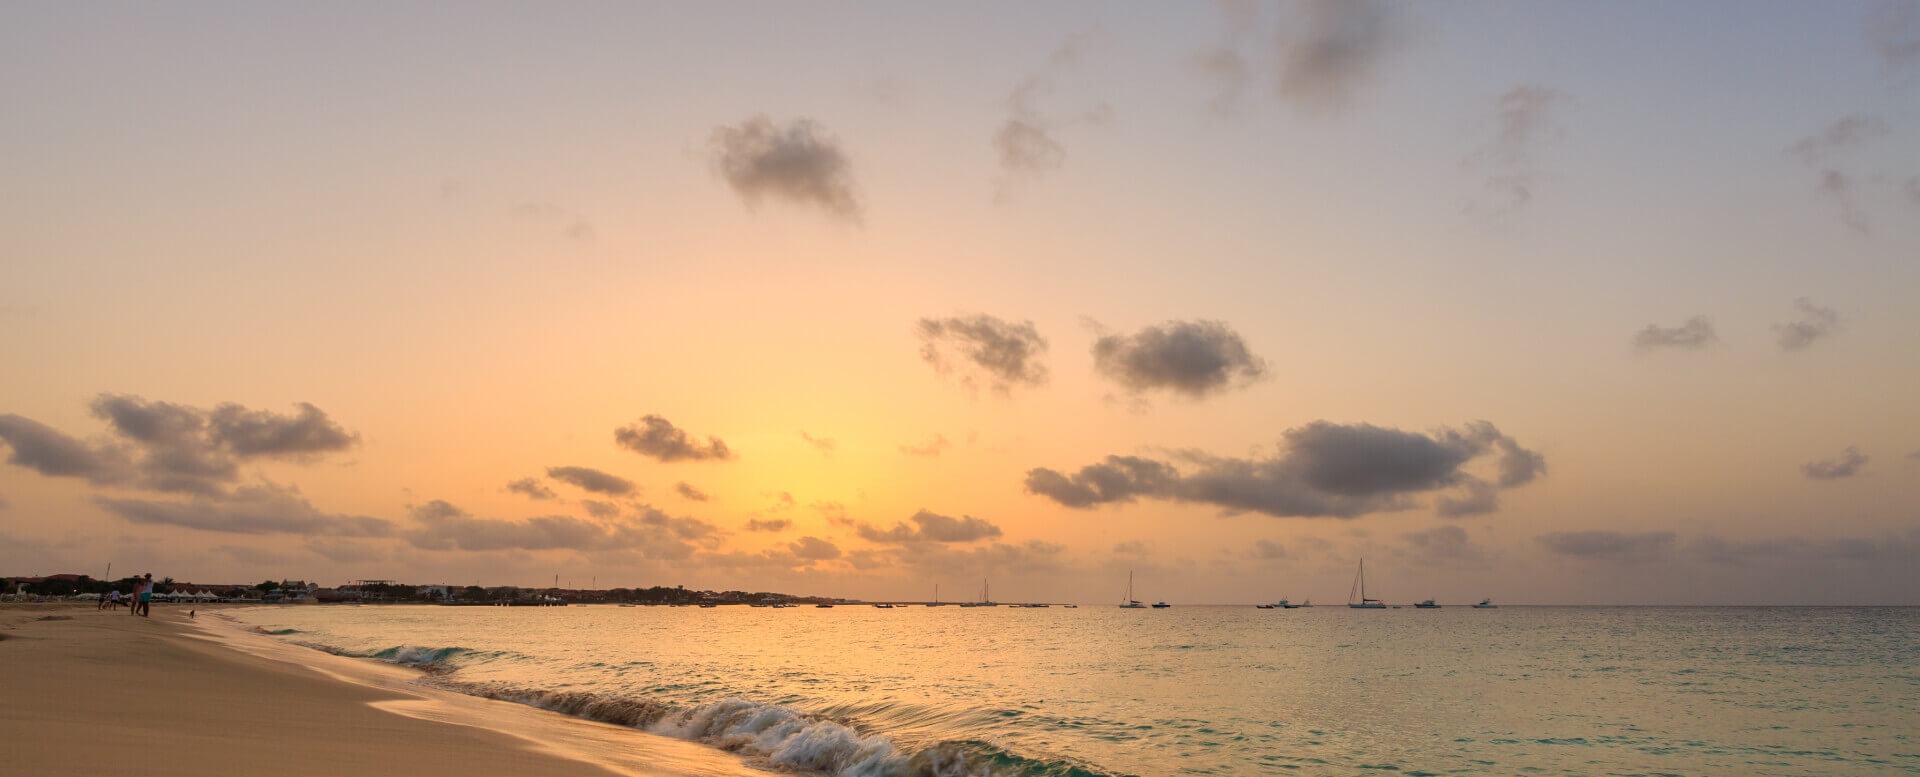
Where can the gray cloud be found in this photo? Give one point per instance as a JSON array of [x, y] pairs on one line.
[[1230, 70], [689, 492], [656, 535], [347, 551], [248, 554], [932, 448], [1116, 479], [1009, 354], [656, 437], [1697, 333], [1773, 552], [1518, 466], [1324, 469], [799, 163], [814, 549], [1815, 323], [1226, 64], [1335, 48], [592, 480], [1523, 116], [1443, 544], [1195, 358], [932, 527], [178, 453], [304, 435], [179, 448], [825, 445], [1027, 148], [1819, 152], [48, 451], [599, 509], [262, 509], [1816, 150], [1838, 187], [1268, 549], [1480, 498], [532, 489], [1025, 142], [834, 513], [774, 525], [1130, 548], [1893, 32], [1610, 545], [1845, 465]]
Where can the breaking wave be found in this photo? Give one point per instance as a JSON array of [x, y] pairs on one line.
[[777, 736], [781, 736]]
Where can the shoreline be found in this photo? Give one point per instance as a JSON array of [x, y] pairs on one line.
[[84, 691]]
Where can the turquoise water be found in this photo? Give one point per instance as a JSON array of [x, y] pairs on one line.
[[860, 691]]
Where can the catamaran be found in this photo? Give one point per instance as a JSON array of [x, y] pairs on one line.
[[1131, 603], [1360, 584]]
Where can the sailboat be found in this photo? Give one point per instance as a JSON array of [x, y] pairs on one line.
[[1131, 603], [936, 597], [1360, 584], [985, 600]]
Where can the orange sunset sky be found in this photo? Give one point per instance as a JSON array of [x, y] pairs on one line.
[[1549, 302]]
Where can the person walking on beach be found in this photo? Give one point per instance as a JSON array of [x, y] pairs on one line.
[[145, 606]]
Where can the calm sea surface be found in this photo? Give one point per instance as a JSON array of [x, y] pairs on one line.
[[856, 690]]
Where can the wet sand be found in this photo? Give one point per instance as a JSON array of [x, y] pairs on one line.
[[84, 691]]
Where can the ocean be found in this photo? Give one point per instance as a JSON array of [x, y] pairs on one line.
[[856, 691]]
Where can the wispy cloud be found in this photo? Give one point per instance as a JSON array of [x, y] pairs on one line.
[[1695, 334], [690, 493], [1610, 545], [1026, 142], [1822, 151], [1005, 354], [1846, 465], [263, 509], [932, 448], [933, 527], [814, 549], [531, 488], [1893, 32], [1329, 49], [1443, 545], [1228, 64], [773, 525], [1816, 323], [825, 445], [593, 480], [1523, 121], [657, 437], [1193, 358], [440, 526], [798, 162]]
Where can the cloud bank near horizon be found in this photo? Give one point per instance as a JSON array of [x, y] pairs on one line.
[[1322, 470]]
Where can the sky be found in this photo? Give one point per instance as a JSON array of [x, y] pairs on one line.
[[1549, 302]]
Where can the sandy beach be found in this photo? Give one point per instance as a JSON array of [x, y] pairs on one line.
[[86, 692]]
